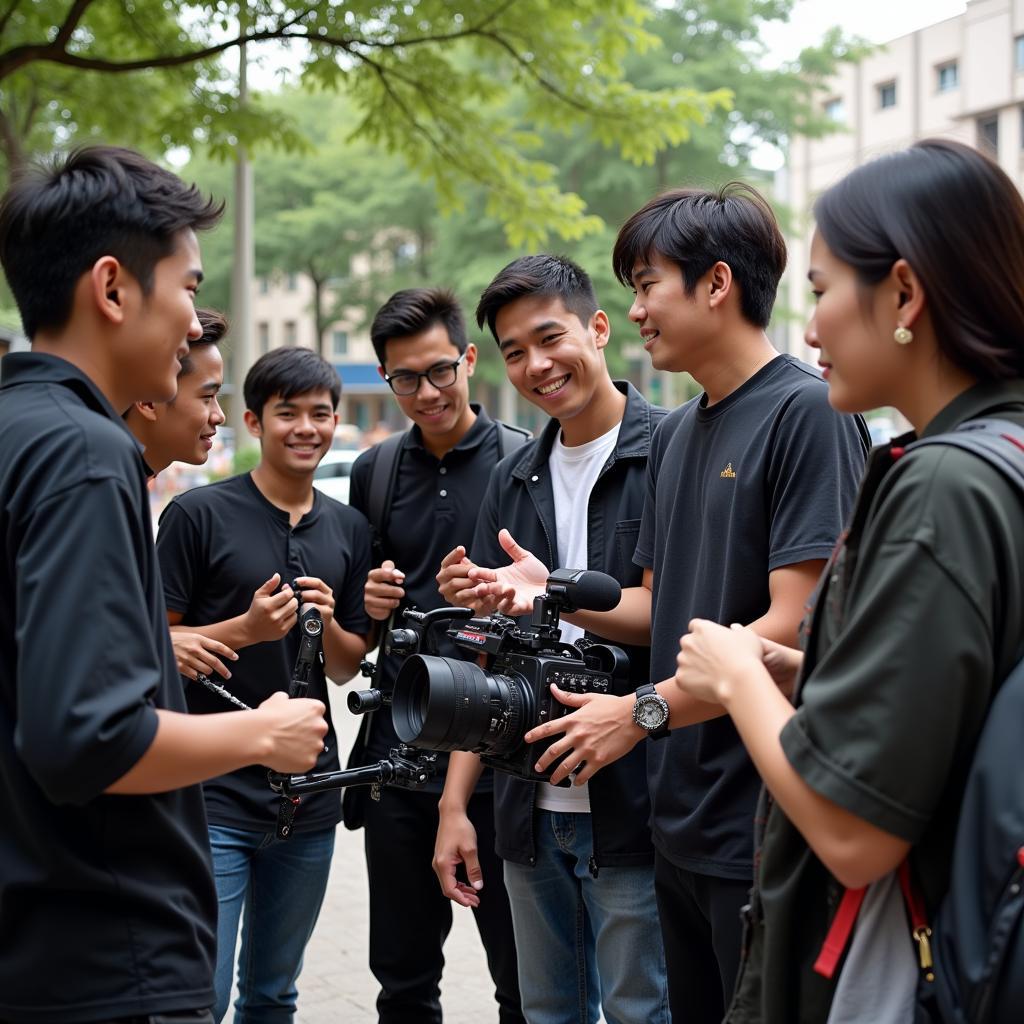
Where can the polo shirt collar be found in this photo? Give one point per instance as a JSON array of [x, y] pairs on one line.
[[473, 437], [634, 440], [281, 514], [20, 368], [979, 400]]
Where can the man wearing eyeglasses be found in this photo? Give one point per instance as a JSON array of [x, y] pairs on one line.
[[434, 475]]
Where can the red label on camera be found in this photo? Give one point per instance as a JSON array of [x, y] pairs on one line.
[[473, 638]]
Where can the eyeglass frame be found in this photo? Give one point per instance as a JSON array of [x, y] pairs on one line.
[[389, 377]]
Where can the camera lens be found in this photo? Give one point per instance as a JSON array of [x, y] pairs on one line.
[[447, 704]]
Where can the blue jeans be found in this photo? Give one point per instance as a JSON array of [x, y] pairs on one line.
[[585, 943], [281, 884]]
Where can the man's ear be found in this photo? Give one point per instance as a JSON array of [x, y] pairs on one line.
[[252, 423], [147, 410], [470, 359], [107, 287], [719, 279], [601, 327]]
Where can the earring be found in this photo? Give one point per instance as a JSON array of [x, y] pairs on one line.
[[903, 335]]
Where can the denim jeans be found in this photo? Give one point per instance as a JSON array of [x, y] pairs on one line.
[[281, 884], [585, 943]]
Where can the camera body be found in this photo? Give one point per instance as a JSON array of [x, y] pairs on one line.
[[448, 704]]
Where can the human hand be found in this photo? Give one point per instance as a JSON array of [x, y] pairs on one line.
[[711, 657], [783, 664], [295, 729], [599, 732], [456, 587], [383, 592], [512, 588], [318, 594], [271, 615], [455, 845], [196, 653]]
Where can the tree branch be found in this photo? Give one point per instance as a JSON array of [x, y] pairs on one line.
[[6, 17]]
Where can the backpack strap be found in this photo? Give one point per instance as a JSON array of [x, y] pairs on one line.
[[510, 438], [999, 442], [382, 486]]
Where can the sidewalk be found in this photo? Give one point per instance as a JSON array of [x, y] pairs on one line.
[[336, 986]]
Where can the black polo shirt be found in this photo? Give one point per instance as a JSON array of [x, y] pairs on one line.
[[217, 545], [762, 479], [107, 905], [434, 507], [917, 621]]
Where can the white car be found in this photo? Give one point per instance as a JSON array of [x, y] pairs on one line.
[[332, 475]]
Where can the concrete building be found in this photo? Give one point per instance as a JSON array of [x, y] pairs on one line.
[[282, 314], [962, 78]]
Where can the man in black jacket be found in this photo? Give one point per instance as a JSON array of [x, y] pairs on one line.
[[578, 861]]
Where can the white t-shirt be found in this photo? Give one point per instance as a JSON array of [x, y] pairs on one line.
[[574, 471]]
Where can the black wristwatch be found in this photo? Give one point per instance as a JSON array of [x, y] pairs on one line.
[[650, 712]]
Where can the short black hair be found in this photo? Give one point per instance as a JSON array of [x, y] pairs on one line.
[[957, 218], [414, 310], [695, 228], [57, 221], [541, 275], [288, 372], [215, 325]]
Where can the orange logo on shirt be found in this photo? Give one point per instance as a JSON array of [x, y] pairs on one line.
[[728, 473]]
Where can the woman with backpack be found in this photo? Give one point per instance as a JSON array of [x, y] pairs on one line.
[[917, 266]]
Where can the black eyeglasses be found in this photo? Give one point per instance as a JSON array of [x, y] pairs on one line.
[[441, 376]]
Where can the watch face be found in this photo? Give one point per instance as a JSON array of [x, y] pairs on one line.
[[649, 713]]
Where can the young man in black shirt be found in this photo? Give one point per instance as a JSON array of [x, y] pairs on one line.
[[439, 470], [748, 487], [107, 906], [224, 550], [579, 864], [182, 430]]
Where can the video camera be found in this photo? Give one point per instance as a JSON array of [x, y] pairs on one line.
[[443, 703]]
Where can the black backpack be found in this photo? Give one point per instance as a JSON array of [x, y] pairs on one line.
[[978, 934]]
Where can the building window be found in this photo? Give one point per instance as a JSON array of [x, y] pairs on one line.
[[835, 110], [339, 344], [948, 76], [293, 282], [988, 135], [263, 336], [291, 332], [886, 95], [1018, 53]]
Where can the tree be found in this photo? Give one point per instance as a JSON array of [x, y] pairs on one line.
[[428, 80]]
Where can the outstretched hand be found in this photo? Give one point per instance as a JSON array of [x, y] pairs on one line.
[[512, 588]]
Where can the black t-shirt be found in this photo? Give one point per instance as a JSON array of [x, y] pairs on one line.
[[762, 479], [107, 905], [217, 545], [434, 507]]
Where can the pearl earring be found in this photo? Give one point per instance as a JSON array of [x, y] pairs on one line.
[[903, 335]]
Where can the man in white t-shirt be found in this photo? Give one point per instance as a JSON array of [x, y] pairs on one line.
[[579, 859]]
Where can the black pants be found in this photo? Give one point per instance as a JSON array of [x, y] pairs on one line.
[[702, 932], [410, 918]]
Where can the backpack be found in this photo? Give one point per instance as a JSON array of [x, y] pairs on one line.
[[972, 958], [978, 934]]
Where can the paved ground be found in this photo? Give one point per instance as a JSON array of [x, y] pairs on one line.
[[336, 986]]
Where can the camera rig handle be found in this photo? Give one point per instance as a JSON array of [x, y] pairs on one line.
[[406, 767]]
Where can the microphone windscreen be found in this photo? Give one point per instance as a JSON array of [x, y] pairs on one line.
[[595, 591]]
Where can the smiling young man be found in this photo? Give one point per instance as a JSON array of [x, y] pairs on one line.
[[579, 860], [182, 430], [107, 904], [419, 489], [224, 550], [748, 487]]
